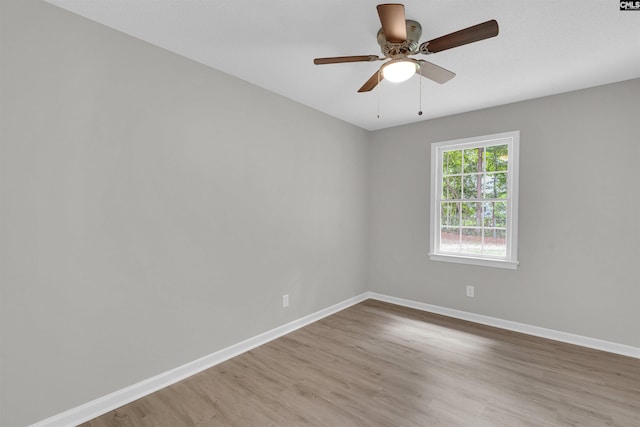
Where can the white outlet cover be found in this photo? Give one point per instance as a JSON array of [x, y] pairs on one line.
[[470, 291]]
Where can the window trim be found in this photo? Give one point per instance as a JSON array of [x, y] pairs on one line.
[[511, 261]]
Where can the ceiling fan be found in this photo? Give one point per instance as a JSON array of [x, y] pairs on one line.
[[398, 38]]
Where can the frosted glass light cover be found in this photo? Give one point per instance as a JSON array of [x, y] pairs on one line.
[[399, 71]]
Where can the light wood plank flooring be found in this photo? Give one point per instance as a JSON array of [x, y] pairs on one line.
[[377, 364]]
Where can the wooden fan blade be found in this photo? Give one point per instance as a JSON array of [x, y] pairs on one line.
[[468, 35], [435, 72], [340, 59], [372, 82], [393, 22]]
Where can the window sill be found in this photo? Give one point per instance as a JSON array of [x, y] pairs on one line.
[[511, 265]]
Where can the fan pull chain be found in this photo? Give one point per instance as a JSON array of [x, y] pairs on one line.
[[420, 110]]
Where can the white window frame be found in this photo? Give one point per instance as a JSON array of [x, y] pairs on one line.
[[512, 139]]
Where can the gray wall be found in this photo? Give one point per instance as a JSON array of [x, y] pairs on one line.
[[579, 230], [154, 211]]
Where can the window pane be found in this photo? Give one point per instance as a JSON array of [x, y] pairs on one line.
[[488, 209], [451, 187], [495, 242], [495, 185], [471, 214], [494, 214], [450, 240], [500, 214], [451, 162], [450, 214], [473, 160], [500, 185], [497, 158], [472, 186], [471, 241]]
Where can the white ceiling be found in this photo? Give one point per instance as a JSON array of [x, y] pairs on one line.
[[544, 47]]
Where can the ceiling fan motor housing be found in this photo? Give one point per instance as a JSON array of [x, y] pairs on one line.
[[408, 47]]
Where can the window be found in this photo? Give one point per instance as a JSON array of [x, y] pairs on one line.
[[474, 200]]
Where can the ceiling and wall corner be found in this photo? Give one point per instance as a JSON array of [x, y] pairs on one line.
[[543, 48]]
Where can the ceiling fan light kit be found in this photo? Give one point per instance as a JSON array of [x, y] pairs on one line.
[[399, 70], [398, 38]]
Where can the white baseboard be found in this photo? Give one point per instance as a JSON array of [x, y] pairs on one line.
[[126, 395], [611, 347], [114, 400]]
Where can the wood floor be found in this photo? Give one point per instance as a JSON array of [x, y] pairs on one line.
[[377, 364]]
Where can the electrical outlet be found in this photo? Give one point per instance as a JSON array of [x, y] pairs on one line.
[[285, 300], [470, 291]]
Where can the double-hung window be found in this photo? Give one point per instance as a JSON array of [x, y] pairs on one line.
[[474, 200]]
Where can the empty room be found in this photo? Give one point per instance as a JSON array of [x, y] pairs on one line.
[[319, 213]]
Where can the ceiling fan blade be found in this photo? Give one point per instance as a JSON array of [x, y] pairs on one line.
[[393, 22], [435, 72], [468, 35], [340, 59], [372, 82]]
